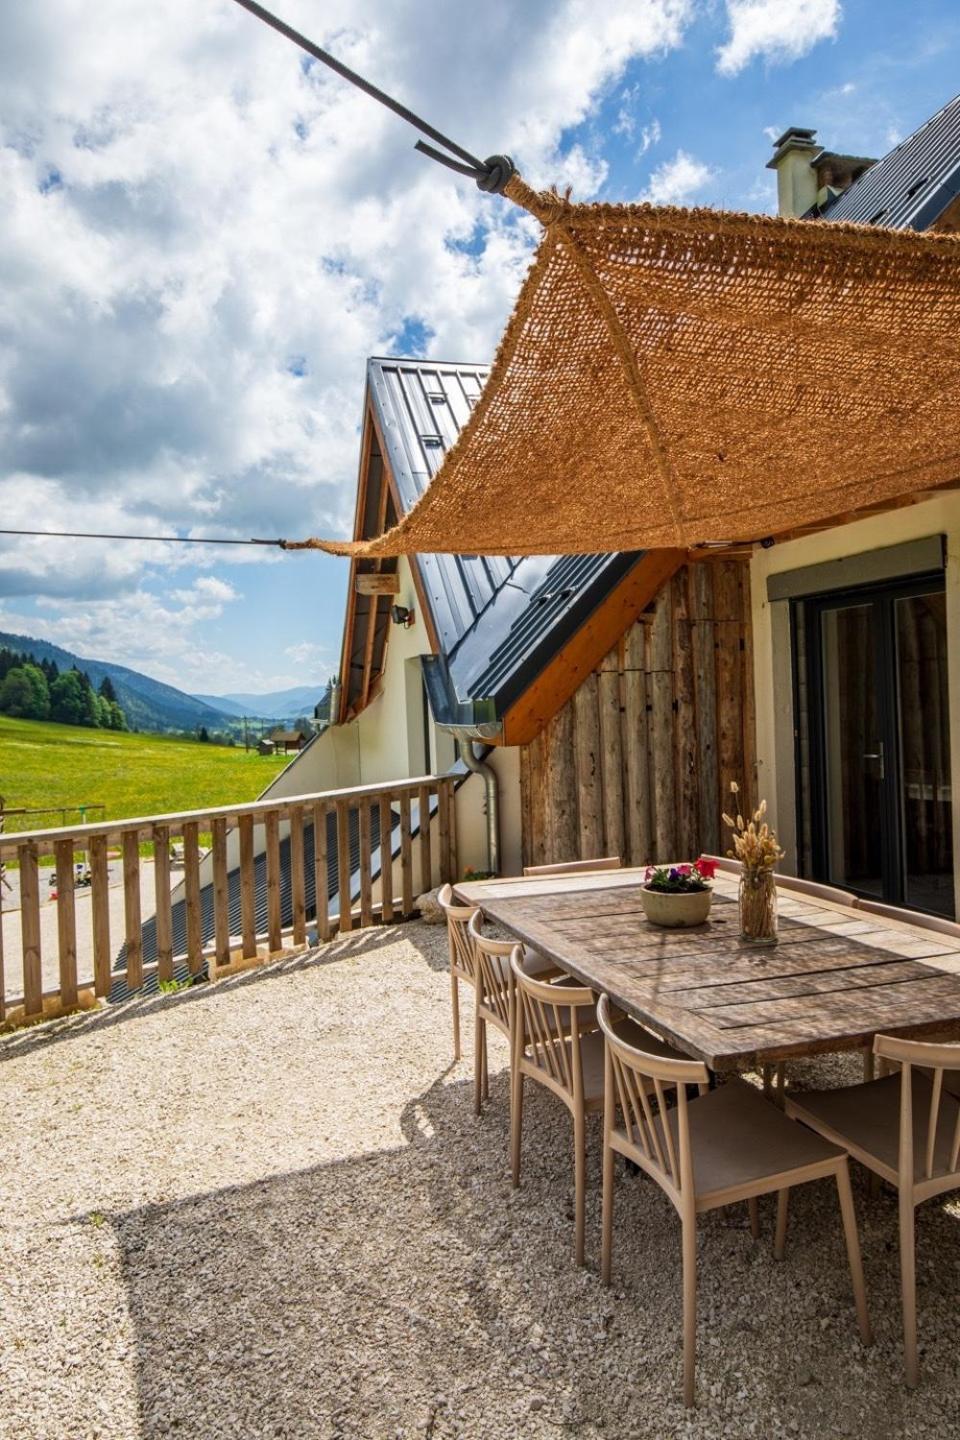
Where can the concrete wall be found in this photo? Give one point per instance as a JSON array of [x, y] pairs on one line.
[[771, 639]]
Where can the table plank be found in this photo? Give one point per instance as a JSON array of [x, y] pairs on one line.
[[837, 977]]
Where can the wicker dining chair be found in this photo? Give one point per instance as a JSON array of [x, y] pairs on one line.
[[729, 1144], [462, 962], [556, 1043], [905, 1128], [571, 867], [493, 997]]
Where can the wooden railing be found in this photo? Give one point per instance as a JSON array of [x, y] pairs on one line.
[[264, 859]]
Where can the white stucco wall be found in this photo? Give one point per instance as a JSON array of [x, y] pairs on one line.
[[940, 516]]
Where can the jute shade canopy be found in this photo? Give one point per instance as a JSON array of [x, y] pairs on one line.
[[678, 377]]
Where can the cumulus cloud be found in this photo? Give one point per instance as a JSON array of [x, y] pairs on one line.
[[677, 181], [204, 237], [776, 30]]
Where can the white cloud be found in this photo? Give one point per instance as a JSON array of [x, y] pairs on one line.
[[649, 135], [677, 181], [203, 239], [777, 30]]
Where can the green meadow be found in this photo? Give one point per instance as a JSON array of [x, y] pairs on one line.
[[64, 766]]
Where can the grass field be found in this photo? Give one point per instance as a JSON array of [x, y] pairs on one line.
[[64, 766]]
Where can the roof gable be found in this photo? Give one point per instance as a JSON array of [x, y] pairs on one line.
[[912, 186]]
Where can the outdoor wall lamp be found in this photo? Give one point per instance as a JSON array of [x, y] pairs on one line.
[[400, 615]]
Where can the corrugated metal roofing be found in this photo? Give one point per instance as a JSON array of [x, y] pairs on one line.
[[421, 407], [910, 188], [498, 620]]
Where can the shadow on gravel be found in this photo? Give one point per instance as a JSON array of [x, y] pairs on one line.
[[410, 1292], [17, 1043]]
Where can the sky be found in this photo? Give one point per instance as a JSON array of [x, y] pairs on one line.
[[203, 236]]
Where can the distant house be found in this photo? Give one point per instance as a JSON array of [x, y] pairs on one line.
[[266, 747], [289, 741]]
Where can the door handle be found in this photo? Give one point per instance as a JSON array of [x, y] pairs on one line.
[[877, 755]]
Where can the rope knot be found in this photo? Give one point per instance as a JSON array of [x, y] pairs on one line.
[[498, 171]]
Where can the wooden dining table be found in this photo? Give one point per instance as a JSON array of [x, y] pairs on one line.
[[836, 977]]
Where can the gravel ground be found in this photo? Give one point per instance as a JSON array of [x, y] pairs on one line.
[[265, 1209]]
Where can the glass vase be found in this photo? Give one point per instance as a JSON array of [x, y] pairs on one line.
[[758, 907]]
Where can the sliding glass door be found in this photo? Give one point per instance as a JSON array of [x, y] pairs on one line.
[[880, 796]]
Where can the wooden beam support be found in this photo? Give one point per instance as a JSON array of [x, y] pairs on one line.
[[377, 584]]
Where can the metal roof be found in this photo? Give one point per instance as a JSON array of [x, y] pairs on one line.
[[498, 621], [911, 187]]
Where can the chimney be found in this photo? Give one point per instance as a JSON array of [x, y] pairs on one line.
[[797, 182]]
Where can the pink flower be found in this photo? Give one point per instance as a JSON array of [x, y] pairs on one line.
[[684, 869]]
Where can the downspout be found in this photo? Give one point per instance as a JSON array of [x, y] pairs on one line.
[[484, 768]]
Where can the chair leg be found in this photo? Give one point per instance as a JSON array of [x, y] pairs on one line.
[[753, 1206], [780, 1238], [580, 1182], [486, 1065], [849, 1216], [455, 1009], [689, 1243], [606, 1249], [869, 1063], [479, 1056], [908, 1281], [516, 1124]]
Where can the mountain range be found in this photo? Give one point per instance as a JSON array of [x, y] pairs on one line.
[[272, 705], [151, 705]]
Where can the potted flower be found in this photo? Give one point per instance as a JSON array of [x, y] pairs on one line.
[[676, 896], [756, 846]]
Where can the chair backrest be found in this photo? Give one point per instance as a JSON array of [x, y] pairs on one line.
[[941, 1139], [570, 867], [544, 1036], [493, 978], [724, 862], [462, 955], [816, 890], [940, 923], [630, 1075]]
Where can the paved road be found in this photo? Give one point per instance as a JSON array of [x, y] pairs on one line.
[[12, 961]]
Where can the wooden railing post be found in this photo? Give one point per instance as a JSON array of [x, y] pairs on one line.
[[274, 912], [131, 908], [100, 916], [343, 865], [221, 894], [191, 895], [426, 857], [164, 915], [248, 894], [30, 930], [406, 855], [66, 923], [321, 872], [386, 860], [298, 883], [366, 873]]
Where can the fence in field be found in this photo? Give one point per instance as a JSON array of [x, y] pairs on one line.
[[275, 870]]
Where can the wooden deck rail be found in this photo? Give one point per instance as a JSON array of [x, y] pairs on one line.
[[354, 878]]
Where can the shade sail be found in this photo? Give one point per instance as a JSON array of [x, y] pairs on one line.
[[677, 377]]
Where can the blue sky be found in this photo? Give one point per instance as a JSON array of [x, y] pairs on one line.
[[206, 239]]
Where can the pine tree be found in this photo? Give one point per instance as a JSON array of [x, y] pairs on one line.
[[106, 689]]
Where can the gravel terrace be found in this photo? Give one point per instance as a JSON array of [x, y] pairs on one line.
[[265, 1209]]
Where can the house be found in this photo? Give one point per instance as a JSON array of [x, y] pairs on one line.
[[617, 696], [289, 741]]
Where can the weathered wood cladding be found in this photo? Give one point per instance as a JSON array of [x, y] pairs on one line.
[[639, 762]]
